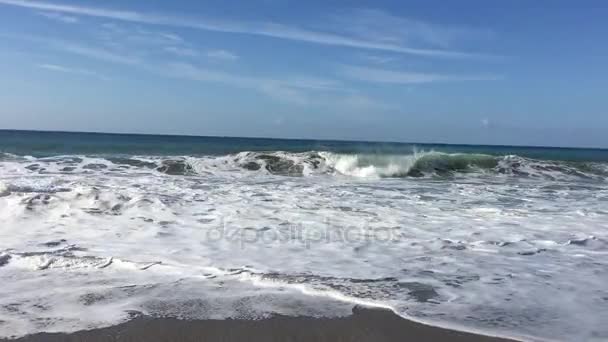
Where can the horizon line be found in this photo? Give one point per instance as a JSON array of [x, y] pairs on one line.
[[183, 135]]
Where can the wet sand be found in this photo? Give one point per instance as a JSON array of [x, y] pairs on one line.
[[372, 325]]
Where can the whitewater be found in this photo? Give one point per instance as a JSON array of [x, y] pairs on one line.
[[503, 244]]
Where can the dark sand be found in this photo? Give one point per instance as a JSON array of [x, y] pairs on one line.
[[364, 325]]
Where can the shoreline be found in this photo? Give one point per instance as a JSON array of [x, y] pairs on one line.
[[365, 324]]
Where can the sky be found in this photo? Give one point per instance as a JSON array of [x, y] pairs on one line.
[[471, 72]]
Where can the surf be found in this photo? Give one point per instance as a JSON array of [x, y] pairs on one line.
[[418, 164]]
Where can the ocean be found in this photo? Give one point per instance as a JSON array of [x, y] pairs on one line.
[[504, 240]]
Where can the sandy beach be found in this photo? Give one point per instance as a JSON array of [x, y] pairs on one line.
[[364, 325]]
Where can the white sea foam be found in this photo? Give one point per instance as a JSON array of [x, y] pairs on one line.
[[84, 241]]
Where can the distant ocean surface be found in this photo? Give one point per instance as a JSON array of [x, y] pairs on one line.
[[96, 228], [43, 144]]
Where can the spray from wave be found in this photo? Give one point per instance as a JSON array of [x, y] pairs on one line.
[[412, 165]]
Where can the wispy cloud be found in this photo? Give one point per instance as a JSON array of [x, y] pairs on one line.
[[315, 83], [376, 59], [93, 12], [182, 70], [300, 90], [290, 89], [134, 35], [222, 55], [182, 51], [70, 70], [294, 88], [405, 77], [358, 40], [68, 19], [378, 25], [88, 51], [96, 53], [132, 38], [172, 37]]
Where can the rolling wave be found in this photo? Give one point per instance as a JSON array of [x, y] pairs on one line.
[[416, 165], [364, 165]]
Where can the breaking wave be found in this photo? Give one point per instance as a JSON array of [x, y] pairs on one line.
[[422, 164], [365, 165]]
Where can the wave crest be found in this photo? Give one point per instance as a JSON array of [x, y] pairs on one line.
[[413, 165], [362, 165]]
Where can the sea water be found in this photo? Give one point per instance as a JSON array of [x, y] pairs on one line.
[[98, 228]]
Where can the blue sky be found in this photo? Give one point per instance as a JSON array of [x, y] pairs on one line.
[[480, 72]]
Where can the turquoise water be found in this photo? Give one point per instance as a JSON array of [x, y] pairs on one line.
[[39, 144]]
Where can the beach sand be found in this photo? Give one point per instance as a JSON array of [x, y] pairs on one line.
[[364, 324]]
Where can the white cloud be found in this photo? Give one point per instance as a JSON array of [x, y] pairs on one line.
[[93, 12], [54, 67], [189, 71], [376, 59], [359, 39], [182, 51], [378, 25], [132, 35], [70, 70], [88, 51], [222, 55], [172, 37], [68, 19], [281, 89], [316, 83], [297, 89], [405, 77], [309, 91], [96, 53], [132, 39]]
